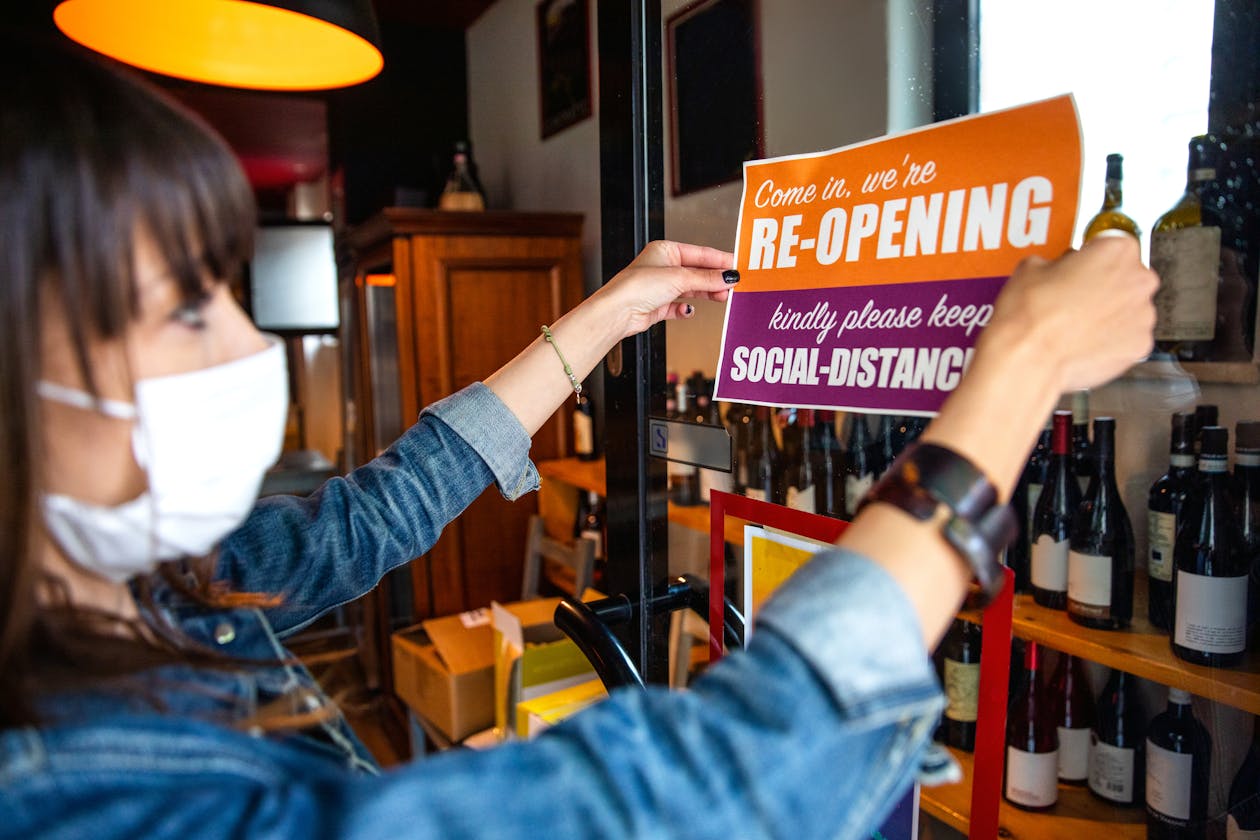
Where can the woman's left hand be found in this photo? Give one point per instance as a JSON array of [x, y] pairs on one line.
[[660, 280]]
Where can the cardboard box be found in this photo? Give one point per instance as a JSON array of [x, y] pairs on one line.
[[444, 670], [532, 657]]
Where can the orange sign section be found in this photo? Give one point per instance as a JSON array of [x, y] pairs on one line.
[[963, 199]]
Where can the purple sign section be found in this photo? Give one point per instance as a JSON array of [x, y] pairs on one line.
[[896, 349]]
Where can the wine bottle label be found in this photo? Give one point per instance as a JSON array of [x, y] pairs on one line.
[[596, 537], [855, 488], [1034, 493], [1073, 754], [1168, 781], [962, 690], [802, 499], [1234, 832], [1111, 771], [1089, 585], [1049, 564], [1161, 529], [1032, 779], [1211, 613], [583, 434], [1247, 459], [1187, 262], [755, 494]]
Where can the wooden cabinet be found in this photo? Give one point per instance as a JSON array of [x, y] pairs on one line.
[[439, 300]]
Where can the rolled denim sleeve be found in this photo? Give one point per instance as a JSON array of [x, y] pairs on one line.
[[333, 546]]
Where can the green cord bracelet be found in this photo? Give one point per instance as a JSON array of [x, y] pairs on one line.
[[577, 386]]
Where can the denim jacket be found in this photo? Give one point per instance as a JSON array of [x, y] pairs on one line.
[[813, 731]]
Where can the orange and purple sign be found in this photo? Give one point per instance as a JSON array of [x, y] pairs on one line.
[[868, 272]]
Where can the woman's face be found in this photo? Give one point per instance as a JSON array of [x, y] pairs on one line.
[[89, 453]]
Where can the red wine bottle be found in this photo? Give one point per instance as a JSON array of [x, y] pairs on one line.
[[584, 428], [961, 650], [829, 467], [1164, 503], [1212, 574], [859, 463], [1243, 820], [1024, 502], [739, 422], [1073, 717], [767, 472], [1178, 761], [1204, 415], [1052, 520], [1117, 749], [1100, 562], [1032, 743], [801, 485]]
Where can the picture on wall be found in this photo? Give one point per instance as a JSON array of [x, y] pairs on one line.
[[714, 91], [564, 63]]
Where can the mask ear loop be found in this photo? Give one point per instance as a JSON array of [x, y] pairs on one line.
[[82, 399]]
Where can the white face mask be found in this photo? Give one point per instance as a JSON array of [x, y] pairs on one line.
[[205, 439]]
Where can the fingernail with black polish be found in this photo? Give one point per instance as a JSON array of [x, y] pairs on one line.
[[688, 309], [730, 276]]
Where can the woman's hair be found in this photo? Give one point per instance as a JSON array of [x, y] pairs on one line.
[[89, 155]]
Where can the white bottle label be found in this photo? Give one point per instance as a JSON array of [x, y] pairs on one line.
[[1089, 585], [1073, 754], [595, 537], [1049, 565], [755, 494], [1032, 778], [1168, 781], [583, 434], [1111, 771], [1161, 529], [962, 690], [1187, 261], [1211, 613], [854, 489], [802, 499], [1233, 832]]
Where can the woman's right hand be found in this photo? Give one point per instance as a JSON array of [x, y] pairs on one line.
[[1090, 312]]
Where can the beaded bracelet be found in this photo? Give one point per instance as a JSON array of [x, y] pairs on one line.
[[577, 386]]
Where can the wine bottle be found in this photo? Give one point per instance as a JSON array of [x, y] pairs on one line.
[[593, 523], [1117, 749], [859, 464], [962, 683], [1205, 414], [1082, 449], [462, 190], [766, 482], [739, 422], [1163, 504], [1247, 497], [709, 413], [1178, 762], [584, 428], [1110, 216], [801, 485], [1032, 744], [886, 443], [684, 479], [829, 469], [1212, 571], [1186, 254], [1073, 717], [1028, 489], [1051, 531], [1100, 562], [1243, 820]]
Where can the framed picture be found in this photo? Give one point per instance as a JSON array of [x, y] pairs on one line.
[[714, 92], [564, 64]]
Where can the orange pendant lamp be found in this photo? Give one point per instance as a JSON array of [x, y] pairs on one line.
[[278, 45]]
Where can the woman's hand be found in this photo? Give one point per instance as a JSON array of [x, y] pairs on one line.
[[1089, 313], [660, 280]]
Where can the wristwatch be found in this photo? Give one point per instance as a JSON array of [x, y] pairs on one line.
[[931, 482]]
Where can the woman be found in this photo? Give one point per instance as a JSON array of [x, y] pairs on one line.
[[146, 689]]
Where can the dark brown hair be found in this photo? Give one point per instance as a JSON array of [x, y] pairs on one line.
[[89, 154]]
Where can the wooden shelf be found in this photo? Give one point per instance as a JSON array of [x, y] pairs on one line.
[[1141, 650], [593, 475], [1078, 813]]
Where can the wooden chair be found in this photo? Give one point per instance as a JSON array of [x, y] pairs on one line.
[[570, 568]]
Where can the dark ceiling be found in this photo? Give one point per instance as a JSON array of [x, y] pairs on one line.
[[281, 138]]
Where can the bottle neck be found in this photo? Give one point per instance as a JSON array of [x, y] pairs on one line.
[[1113, 194]]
